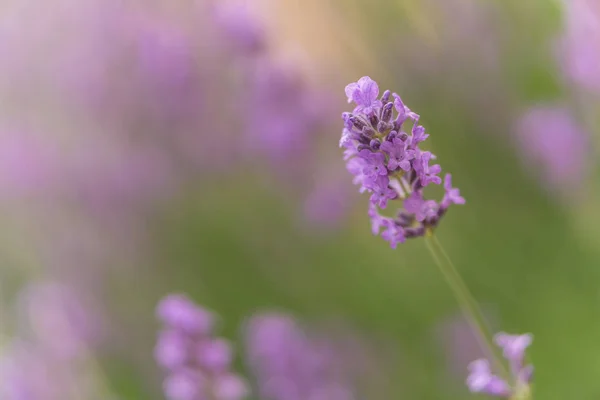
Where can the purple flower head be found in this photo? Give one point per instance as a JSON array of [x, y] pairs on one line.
[[196, 363], [482, 380], [389, 164], [364, 94]]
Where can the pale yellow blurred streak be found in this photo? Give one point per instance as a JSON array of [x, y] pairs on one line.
[[334, 37], [331, 39]]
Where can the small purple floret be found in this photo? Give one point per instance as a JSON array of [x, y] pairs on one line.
[[399, 155], [364, 94], [482, 380]]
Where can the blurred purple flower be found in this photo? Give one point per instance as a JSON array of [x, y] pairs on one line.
[[292, 362], [513, 348], [171, 349], [107, 177], [64, 322], [51, 358], [286, 115], [288, 365], [180, 313], [183, 385], [328, 201], [460, 343], [154, 94], [241, 28], [482, 380], [197, 364], [552, 142], [29, 166], [167, 69], [580, 43], [27, 374]]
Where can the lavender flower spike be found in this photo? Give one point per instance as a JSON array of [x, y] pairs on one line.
[[482, 380], [387, 162], [197, 363]]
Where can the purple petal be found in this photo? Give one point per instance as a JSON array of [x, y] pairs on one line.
[[369, 89], [350, 89], [405, 165]]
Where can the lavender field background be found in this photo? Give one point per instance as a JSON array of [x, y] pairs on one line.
[[157, 147]]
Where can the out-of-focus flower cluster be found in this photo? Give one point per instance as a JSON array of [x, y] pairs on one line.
[[50, 358], [388, 162], [152, 103], [110, 109], [552, 142], [197, 363], [286, 360], [289, 365]]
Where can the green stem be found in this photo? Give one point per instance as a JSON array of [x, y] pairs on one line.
[[466, 301]]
